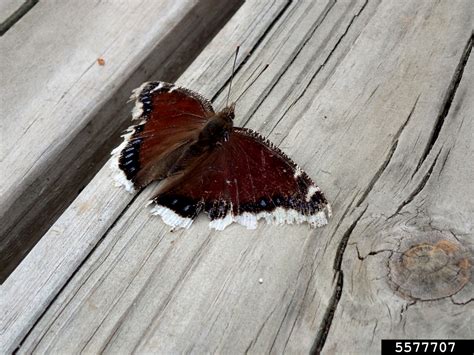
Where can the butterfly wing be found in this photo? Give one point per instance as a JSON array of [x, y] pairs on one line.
[[169, 119], [242, 181]]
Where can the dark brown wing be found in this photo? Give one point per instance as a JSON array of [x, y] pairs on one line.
[[169, 119], [244, 180]]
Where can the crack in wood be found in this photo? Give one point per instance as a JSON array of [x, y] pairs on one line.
[[375, 252], [16, 16], [461, 303], [322, 65], [311, 268], [190, 266], [254, 340], [373, 331], [417, 189], [60, 291], [287, 66], [444, 161], [343, 243], [282, 321], [311, 33], [254, 48], [390, 154], [404, 309], [447, 101], [302, 298], [120, 321], [91, 271], [323, 332], [328, 317]]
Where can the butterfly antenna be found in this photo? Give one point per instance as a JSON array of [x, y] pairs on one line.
[[253, 81], [232, 76]]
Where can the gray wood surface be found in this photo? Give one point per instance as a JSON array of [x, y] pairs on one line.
[[407, 269], [60, 108], [375, 101]]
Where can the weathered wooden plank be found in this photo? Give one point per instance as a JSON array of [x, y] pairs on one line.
[[408, 267], [358, 80], [63, 107], [40, 276]]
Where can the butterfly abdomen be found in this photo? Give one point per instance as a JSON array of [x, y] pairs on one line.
[[212, 135]]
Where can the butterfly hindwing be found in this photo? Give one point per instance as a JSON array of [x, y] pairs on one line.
[[243, 180], [169, 119]]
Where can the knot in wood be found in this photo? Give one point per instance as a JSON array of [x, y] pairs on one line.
[[429, 266]]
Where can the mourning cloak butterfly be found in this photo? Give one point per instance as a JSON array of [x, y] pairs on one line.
[[205, 164]]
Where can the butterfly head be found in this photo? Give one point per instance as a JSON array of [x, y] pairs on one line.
[[228, 113], [227, 116], [219, 127]]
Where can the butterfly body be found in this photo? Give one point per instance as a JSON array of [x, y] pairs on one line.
[[181, 160], [219, 127], [206, 164]]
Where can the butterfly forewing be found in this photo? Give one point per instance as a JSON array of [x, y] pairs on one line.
[[169, 119]]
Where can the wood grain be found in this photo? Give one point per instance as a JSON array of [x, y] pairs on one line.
[[407, 271], [11, 11], [373, 100]]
